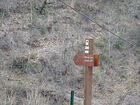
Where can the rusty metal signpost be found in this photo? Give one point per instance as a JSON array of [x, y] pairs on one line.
[[88, 60]]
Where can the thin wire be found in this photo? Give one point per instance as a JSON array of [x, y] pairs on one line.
[[81, 13]]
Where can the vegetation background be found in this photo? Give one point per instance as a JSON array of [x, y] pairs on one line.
[[38, 40]]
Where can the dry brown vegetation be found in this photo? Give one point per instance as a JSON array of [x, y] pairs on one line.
[[39, 39]]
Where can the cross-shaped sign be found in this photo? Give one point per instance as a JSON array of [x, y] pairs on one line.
[[88, 60]]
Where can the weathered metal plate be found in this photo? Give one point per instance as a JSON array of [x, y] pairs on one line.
[[96, 60], [84, 60]]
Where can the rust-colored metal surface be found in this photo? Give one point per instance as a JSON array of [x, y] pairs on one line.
[[84, 60], [96, 60]]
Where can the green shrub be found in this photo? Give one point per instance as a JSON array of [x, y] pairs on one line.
[[123, 75], [135, 36], [107, 59], [20, 64], [138, 53], [16, 91], [111, 61], [34, 19], [102, 42], [138, 50], [97, 71], [43, 29], [3, 13], [38, 10], [32, 56], [138, 77], [110, 90], [25, 65], [118, 45], [35, 13], [77, 6], [1, 102], [35, 43], [46, 9], [90, 7]]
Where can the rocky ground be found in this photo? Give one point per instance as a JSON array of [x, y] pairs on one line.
[[38, 42]]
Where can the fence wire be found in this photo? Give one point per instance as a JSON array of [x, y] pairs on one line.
[[37, 50]]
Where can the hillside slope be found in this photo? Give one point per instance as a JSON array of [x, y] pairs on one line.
[[39, 39]]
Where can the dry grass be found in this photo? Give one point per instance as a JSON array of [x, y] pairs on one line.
[[15, 90]]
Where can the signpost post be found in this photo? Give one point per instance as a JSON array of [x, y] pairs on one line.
[[88, 60], [72, 98]]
